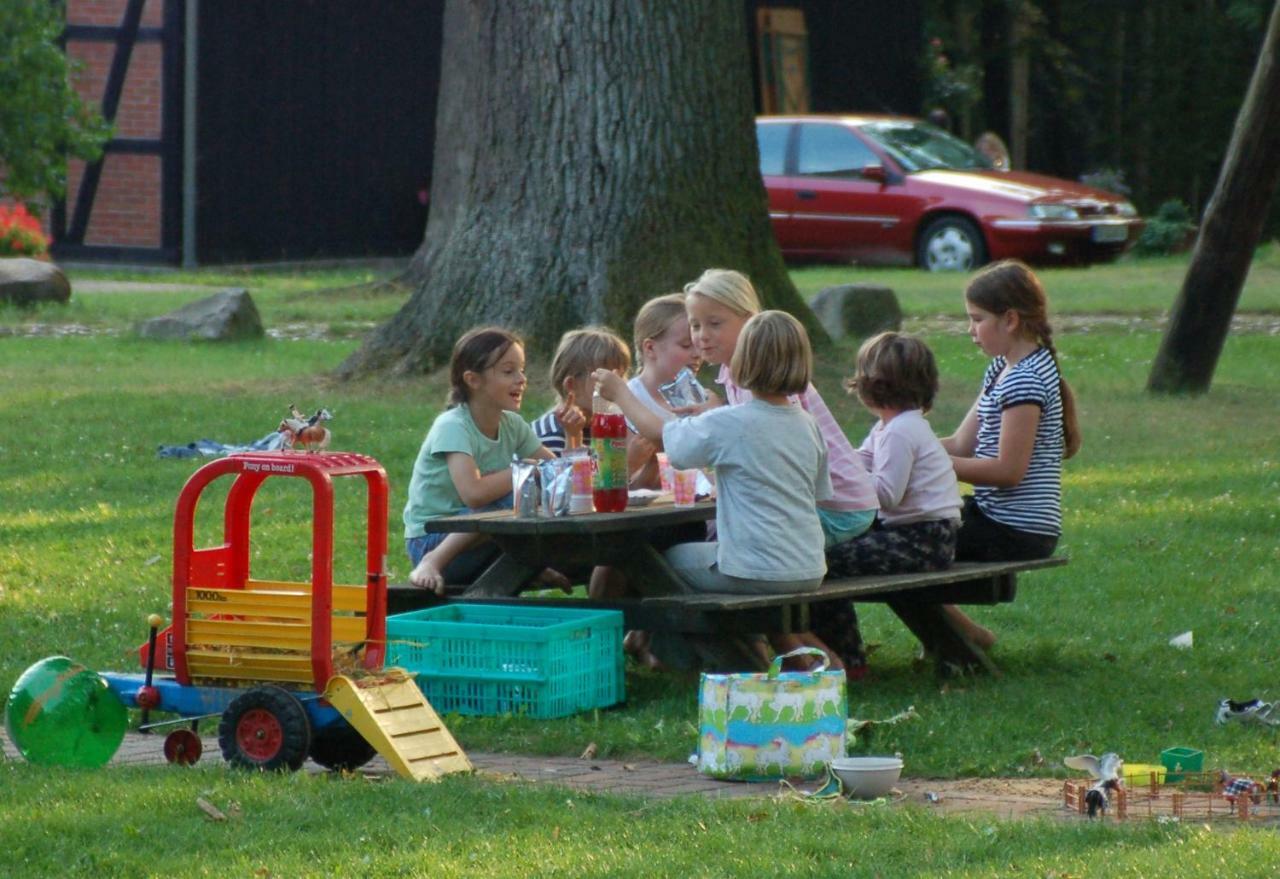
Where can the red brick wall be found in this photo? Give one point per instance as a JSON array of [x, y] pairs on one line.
[[126, 211]]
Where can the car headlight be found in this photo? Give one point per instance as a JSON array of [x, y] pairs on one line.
[[1053, 212], [1126, 209]]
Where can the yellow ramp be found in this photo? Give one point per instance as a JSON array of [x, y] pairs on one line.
[[393, 716]]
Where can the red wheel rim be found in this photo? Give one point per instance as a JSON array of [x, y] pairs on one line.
[[258, 735], [182, 747]]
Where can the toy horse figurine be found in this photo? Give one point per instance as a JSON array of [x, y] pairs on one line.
[[1248, 711], [310, 433], [1239, 786], [1106, 771]]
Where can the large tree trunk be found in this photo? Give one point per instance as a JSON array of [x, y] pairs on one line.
[[1229, 234], [589, 156], [1019, 84]]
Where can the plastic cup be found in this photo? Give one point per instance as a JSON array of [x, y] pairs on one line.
[[684, 485], [664, 473]]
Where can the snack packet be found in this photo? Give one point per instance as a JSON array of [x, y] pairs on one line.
[[557, 486], [524, 487], [684, 390]]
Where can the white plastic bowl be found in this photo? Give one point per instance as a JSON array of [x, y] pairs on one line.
[[866, 778]]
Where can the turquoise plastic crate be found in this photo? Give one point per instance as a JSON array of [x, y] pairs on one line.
[[489, 659]]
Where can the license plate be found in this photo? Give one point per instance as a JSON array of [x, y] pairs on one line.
[[1111, 232]]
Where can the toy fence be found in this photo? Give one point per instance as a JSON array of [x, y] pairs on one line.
[[1196, 795]]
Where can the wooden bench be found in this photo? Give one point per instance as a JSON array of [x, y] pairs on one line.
[[917, 599]]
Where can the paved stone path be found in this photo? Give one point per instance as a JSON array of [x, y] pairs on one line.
[[142, 287], [1002, 798]]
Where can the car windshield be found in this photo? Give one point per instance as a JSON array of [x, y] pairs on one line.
[[917, 146]]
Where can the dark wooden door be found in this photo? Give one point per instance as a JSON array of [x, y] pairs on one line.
[[315, 129]]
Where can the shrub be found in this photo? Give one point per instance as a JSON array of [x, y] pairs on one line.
[[1169, 230], [20, 233], [43, 120]]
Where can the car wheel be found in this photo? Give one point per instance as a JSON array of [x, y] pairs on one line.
[[951, 244], [265, 728], [339, 746]]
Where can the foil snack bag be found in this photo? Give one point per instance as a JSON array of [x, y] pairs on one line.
[[524, 487], [684, 390], [556, 480]]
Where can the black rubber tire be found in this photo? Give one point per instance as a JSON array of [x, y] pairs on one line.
[[265, 728], [338, 746], [951, 243]]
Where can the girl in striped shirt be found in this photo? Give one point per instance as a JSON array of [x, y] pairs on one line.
[[1011, 444]]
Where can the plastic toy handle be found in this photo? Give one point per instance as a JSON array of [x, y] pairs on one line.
[[775, 667]]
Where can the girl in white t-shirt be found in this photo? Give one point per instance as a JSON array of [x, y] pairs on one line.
[[663, 347]]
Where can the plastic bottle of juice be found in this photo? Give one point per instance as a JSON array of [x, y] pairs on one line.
[[609, 442]]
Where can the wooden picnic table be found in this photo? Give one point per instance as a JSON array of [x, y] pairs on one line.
[[716, 622], [623, 541]]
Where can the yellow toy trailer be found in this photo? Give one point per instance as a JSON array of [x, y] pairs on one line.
[[292, 669]]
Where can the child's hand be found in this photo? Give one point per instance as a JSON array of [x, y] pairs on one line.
[[572, 420], [641, 449], [609, 384]]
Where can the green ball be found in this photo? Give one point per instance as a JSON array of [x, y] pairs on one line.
[[62, 714]]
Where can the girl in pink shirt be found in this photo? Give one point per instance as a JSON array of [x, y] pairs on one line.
[[719, 303]]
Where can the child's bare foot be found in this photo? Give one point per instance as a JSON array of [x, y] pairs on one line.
[[555, 579], [636, 642], [427, 576], [650, 661], [636, 645]]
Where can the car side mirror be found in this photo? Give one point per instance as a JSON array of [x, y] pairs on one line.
[[874, 173]]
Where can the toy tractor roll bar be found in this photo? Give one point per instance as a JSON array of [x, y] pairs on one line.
[[228, 626]]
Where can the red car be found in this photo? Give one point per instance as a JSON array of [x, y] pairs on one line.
[[895, 190]]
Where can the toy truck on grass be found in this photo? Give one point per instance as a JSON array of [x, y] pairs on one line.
[[293, 670]]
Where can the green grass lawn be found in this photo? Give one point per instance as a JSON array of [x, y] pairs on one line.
[[136, 822], [345, 301], [1170, 524], [1145, 287]]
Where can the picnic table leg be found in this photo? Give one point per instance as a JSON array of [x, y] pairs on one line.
[[941, 638], [505, 577], [648, 572]]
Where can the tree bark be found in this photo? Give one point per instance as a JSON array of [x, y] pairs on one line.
[[1019, 83], [588, 157], [1230, 232]]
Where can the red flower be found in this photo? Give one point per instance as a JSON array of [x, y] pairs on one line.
[[20, 233]]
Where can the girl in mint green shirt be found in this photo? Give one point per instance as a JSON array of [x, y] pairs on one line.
[[464, 464]]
